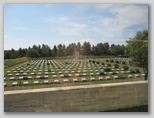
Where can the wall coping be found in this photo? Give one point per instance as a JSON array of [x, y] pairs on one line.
[[71, 87]]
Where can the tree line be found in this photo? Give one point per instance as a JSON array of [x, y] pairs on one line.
[[136, 48], [101, 49]]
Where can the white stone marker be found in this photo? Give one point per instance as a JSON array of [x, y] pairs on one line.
[[54, 76], [115, 77], [65, 80], [75, 80], [14, 83], [61, 76], [137, 76], [25, 83], [92, 79], [56, 81], [36, 82], [46, 76], [46, 82], [130, 76], [108, 78], [12, 78], [100, 78], [20, 78], [37, 77], [83, 79], [76, 74], [29, 77]]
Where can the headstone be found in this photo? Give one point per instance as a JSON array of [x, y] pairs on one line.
[[46, 76], [12, 78], [83, 79], [65, 80], [61, 76], [75, 80], [36, 82], [29, 77], [108, 78], [54, 76], [14, 83], [38, 77], [92, 79], [76, 74], [25, 83], [20, 78], [56, 81], [130, 76], [46, 82], [115, 77], [100, 78]]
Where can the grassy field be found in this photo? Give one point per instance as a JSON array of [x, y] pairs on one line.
[[66, 71]]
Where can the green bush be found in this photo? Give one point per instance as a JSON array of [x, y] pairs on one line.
[[137, 70], [117, 61], [125, 67], [123, 62], [97, 62], [102, 73], [132, 71], [108, 64], [111, 61], [116, 65], [107, 60], [107, 69], [103, 63]]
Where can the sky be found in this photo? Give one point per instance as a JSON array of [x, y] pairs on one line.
[[53, 24]]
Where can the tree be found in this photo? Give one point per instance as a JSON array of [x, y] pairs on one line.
[[32, 53], [138, 50], [86, 48], [106, 48], [54, 51]]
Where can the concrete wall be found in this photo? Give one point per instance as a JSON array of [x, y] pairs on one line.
[[78, 98]]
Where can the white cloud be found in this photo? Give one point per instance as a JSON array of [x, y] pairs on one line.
[[125, 17], [65, 26], [69, 31], [20, 28], [72, 28], [59, 19]]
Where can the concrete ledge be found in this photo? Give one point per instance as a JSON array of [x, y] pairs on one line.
[[71, 87], [87, 98]]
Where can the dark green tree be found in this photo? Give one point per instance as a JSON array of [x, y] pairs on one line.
[[138, 50]]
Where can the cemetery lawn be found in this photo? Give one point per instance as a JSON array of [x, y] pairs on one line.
[[44, 73]]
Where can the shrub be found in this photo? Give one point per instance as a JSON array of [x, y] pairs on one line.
[[65, 75], [103, 63], [93, 61], [97, 62], [132, 71], [137, 70], [111, 61], [107, 60], [120, 76], [47, 63], [107, 69], [123, 62], [117, 61], [125, 67], [108, 64], [102, 73], [116, 65]]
